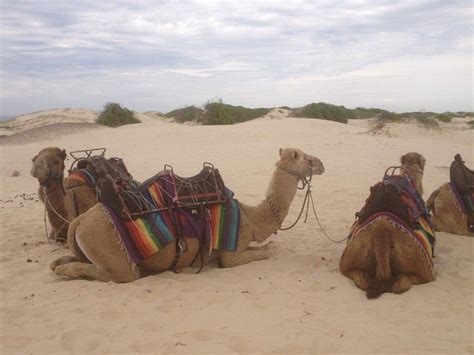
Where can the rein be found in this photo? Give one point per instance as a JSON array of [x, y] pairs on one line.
[[307, 199], [46, 201]]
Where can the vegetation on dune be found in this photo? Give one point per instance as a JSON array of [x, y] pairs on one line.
[[324, 111], [471, 123], [185, 114], [341, 114], [427, 122], [218, 113], [114, 115]]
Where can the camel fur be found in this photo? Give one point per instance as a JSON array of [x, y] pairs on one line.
[[64, 199], [98, 255], [446, 214], [383, 258]]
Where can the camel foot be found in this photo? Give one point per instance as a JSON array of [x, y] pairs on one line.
[[62, 260], [270, 246], [80, 270], [403, 282], [359, 278], [231, 259]]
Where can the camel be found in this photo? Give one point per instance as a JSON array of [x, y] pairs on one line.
[[93, 239], [446, 212], [382, 258], [64, 199]]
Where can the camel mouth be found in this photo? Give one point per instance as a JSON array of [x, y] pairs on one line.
[[317, 169]]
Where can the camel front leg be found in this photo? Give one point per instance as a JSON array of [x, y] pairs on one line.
[[63, 260], [403, 282], [78, 269], [236, 258], [360, 279]]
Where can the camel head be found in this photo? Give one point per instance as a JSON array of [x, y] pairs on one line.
[[298, 163], [48, 166], [414, 163]]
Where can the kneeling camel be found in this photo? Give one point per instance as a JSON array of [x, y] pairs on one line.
[[382, 258], [98, 255]]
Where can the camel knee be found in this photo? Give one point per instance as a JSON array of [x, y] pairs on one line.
[[360, 279]]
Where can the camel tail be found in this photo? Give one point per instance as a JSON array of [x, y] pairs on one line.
[[71, 239], [430, 202], [380, 277]]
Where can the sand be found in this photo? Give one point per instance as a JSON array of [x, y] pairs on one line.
[[296, 302]]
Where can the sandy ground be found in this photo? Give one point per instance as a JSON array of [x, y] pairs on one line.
[[297, 302]]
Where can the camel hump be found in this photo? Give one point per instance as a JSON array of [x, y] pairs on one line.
[[380, 279]]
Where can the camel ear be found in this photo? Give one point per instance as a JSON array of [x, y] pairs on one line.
[[403, 159], [34, 158], [280, 151], [422, 161]]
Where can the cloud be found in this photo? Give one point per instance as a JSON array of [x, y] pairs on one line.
[[244, 49]]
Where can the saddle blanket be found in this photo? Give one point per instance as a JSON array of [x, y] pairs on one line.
[[216, 225], [83, 176], [424, 235], [464, 202]]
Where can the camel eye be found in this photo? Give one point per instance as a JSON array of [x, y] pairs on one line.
[[295, 155]]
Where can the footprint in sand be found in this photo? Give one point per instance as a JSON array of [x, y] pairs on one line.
[[204, 335], [109, 315], [80, 340], [13, 341]]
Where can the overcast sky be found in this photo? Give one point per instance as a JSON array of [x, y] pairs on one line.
[[161, 55]]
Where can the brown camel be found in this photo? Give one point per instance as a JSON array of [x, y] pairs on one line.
[[97, 254], [382, 258], [64, 199], [447, 214]]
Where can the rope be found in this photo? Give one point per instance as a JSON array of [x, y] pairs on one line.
[[307, 199], [46, 201], [321, 227], [52, 208]]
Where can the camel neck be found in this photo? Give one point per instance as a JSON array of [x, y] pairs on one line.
[[53, 197], [272, 211]]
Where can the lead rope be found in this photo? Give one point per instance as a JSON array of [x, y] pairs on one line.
[[307, 199], [321, 227], [46, 201]]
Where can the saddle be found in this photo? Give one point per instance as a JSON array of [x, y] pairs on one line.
[[100, 167], [461, 176], [394, 194], [164, 191]]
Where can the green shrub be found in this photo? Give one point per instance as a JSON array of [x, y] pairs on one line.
[[189, 113], [218, 113], [471, 123], [364, 113], [324, 111], [445, 117], [113, 115], [428, 122]]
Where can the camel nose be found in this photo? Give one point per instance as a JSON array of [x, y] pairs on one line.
[[317, 166]]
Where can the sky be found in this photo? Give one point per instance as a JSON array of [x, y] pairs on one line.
[[154, 55]]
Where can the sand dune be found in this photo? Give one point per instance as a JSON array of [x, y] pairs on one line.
[[296, 302]]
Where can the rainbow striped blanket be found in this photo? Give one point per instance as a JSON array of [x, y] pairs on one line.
[[424, 235], [216, 225]]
